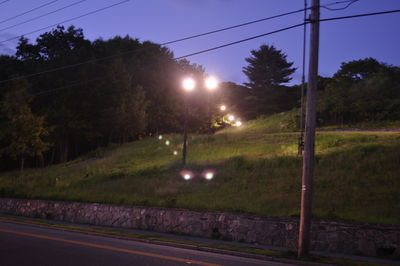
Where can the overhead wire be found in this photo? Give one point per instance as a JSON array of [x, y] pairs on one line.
[[168, 42], [195, 53], [68, 20], [4, 2], [162, 44], [27, 12], [41, 16], [340, 2], [198, 52]]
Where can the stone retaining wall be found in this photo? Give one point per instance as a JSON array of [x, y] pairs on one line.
[[337, 237]]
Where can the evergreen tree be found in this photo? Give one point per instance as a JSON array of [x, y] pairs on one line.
[[267, 71]]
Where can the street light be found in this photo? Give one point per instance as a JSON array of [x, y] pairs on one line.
[[211, 84], [222, 107], [231, 117], [188, 84]]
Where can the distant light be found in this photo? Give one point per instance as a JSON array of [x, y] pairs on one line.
[[186, 174], [167, 142], [211, 83], [188, 84], [175, 152], [231, 117], [222, 107], [238, 123], [160, 137]]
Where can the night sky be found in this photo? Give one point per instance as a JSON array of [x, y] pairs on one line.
[[164, 20]]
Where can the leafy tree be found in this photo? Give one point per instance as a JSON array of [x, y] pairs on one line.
[[267, 71], [22, 132], [361, 91]]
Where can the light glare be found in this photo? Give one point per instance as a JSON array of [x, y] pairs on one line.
[[238, 123], [188, 84], [211, 83], [167, 142], [175, 152], [222, 107], [160, 137], [231, 117]]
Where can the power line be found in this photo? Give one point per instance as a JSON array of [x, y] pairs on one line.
[[195, 53], [162, 44], [361, 15], [4, 2], [26, 12], [340, 8], [240, 41], [213, 48], [188, 55], [68, 20], [41, 16], [233, 27]]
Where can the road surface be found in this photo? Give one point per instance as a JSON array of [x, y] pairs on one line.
[[23, 244]]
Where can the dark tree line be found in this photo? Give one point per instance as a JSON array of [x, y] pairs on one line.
[[134, 91]]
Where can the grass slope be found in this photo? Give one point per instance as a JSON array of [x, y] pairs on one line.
[[257, 171]]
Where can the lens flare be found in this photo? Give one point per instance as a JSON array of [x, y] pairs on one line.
[[175, 153], [160, 137], [231, 117], [238, 123], [222, 108], [167, 142], [208, 174], [187, 174]]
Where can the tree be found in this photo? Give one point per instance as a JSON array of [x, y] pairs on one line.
[[22, 132], [267, 71]]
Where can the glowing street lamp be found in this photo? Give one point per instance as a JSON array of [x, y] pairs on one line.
[[231, 117], [222, 107], [211, 83], [188, 85]]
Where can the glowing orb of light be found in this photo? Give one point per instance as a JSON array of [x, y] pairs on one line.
[[186, 174], [231, 117], [208, 174], [160, 137], [222, 107], [167, 142], [175, 152], [188, 84], [238, 123], [211, 83]]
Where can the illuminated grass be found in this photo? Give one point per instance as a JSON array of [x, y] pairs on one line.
[[257, 171]]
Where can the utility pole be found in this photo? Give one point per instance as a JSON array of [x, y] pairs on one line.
[[308, 159]]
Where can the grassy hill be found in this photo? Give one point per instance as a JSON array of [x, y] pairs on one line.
[[357, 174]]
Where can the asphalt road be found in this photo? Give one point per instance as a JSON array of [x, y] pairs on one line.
[[22, 244]]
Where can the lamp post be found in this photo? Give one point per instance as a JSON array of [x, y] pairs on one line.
[[211, 84], [188, 85]]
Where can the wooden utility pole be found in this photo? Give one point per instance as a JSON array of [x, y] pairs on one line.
[[308, 159]]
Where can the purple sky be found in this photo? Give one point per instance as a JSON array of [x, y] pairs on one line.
[[165, 20]]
